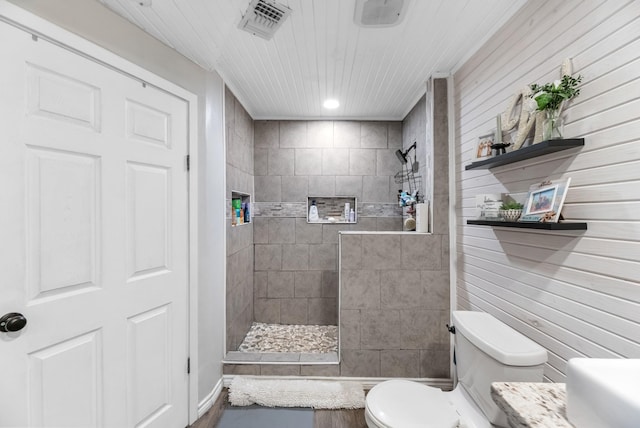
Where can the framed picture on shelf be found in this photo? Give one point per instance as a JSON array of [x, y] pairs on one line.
[[544, 201], [488, 206], [483, 146]]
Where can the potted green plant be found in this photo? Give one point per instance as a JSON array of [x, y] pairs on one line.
[[511, 210], [550, 98]]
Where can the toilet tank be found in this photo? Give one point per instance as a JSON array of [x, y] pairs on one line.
[[487, 351]]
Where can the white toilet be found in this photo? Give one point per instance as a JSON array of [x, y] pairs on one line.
[[486, 350]]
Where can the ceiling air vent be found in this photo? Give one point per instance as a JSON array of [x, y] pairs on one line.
[[263, 18], [379, 13]]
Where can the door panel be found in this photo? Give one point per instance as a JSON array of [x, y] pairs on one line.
[[54, 400], [147, 124], [93, 244], [148, 365], [62, 221], [148, 220], [60, 97]]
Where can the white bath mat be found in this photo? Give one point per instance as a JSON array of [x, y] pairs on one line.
[[318, 394]]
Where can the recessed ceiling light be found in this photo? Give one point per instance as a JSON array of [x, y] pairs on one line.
[[331, 104]]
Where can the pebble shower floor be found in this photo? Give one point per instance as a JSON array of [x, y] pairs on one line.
[[311, 339]]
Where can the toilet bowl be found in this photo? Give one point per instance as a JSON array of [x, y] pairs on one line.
[[486, 351], [420, 406]]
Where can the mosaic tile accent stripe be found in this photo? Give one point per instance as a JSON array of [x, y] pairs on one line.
[[379, 210], [299, 209], [280, 209]]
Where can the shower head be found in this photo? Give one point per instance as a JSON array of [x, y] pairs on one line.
[[402, 157]]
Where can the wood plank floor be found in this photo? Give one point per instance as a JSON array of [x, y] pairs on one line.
[[339, 419], [321, 418], [213, 415]]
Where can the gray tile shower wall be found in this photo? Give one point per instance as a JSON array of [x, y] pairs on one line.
[[296, 263], [440, 157], [395, 305], [395, 287], [432, 137], [414, 130], [239, 175]]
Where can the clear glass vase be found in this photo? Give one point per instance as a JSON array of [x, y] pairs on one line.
[[552, 125]]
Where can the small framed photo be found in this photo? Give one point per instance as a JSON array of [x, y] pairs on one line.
[[483, 147], [488, 206], [544, 201]]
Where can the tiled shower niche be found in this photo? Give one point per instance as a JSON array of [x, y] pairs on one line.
[[240, 203], [331, 209]]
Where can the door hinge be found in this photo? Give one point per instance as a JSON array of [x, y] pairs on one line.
[[188, 365], [188, 162]]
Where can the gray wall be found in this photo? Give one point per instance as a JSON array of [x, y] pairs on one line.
[[395, 305], [427, 124], [211, 249], [414, 129], [296, 279], [94, 22], [395, 287], [239, 172], [438, 132]]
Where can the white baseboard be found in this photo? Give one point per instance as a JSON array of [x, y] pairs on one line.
[[211, 398], [367, 382]]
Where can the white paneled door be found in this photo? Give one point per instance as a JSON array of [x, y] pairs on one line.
[[93, 243]]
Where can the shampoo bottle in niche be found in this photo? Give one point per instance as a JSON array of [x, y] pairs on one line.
[[352, 216], [346, 211], [313, 211], [235, 211]]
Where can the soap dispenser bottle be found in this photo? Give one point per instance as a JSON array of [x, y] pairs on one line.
[[313, 211]]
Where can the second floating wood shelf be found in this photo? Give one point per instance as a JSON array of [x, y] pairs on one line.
[[530, 225]]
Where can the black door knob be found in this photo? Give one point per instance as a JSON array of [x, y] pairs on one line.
[[12, 321]]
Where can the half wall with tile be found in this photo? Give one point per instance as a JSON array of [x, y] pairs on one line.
[[394, 308], [394, 289]]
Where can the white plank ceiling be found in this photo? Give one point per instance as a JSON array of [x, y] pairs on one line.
[[319, 52]]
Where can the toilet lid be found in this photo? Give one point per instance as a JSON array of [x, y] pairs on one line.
[[402, 403]]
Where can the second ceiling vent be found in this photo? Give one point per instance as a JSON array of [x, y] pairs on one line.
[[263, 18], [379, 13]]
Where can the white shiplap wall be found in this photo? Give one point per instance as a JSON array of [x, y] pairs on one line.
[[575, 293]]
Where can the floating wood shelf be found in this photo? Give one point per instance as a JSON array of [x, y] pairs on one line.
[[530, 225], [542, 148]]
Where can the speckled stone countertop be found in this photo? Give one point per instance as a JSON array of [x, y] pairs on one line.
[[529, 404]]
